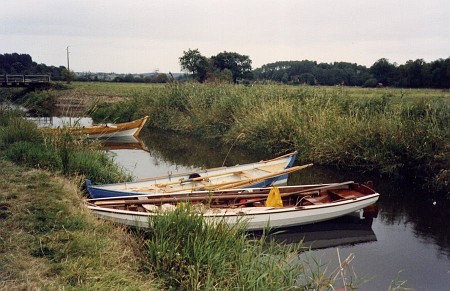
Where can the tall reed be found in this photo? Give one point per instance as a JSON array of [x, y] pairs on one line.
[[397, 132], [188, 253]]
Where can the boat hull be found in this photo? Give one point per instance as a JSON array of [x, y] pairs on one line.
[[254, 218], [229, 177], [299, 205]]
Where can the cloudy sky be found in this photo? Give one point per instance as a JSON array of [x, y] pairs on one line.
[[137, 36]]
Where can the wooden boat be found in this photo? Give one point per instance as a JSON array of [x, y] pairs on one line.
[[132, 128], [258, 174], [301, 205]]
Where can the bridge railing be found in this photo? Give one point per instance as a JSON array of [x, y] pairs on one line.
[[11, 80]]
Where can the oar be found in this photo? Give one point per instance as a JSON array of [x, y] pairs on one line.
[[249, 181], [199, 178], [207, 197], [305, 191], [262, 178]]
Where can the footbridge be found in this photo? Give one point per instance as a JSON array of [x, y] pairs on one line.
[[24, 80]]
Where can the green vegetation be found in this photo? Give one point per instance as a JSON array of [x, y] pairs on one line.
[[22, 142], [412, 74], [393, 131], [217, 257], [48, 239]]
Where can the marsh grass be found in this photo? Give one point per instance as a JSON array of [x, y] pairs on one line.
[[49, 241], [398, 132], [22, 142], [189, 253]]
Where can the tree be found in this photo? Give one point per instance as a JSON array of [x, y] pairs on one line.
[[383, 71], [192, 61], [239, 65]]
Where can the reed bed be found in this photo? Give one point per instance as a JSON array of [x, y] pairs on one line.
[[393, 131], [188, 253]]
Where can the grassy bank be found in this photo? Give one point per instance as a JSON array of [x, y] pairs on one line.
[[49, 241], [399, 132]]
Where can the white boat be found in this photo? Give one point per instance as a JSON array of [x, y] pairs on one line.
[[258, 174], [301, 205]]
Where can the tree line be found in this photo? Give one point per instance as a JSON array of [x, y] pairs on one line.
[[23, 64], [413, 74], [234, 67]]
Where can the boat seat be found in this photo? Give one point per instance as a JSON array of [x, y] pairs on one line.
[[315, 200], [345, 193]]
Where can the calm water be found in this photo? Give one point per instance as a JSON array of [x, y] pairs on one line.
[[409, 239]]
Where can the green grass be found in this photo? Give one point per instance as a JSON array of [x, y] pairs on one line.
[[190, 254], [49, 241], [22, 142]]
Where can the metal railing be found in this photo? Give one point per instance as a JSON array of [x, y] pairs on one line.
[[23, 80]]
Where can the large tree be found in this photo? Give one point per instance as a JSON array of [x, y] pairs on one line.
[[194, 62], [239, 65]]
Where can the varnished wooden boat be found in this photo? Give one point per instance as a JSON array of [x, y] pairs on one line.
[[303, 204], [132, 128], [258, 174]]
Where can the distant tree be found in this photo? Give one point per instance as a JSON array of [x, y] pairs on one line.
[[224, 75], [192, 61], [239, 65], [412, 74], [440, 73], [69, 76], [384, 72]]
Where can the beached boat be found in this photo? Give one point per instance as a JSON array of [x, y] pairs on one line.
[[258, 174], [257, 208], [132, 128]]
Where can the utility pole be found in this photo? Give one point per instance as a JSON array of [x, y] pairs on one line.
[[67, 49]]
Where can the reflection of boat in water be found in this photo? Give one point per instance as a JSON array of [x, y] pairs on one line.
[[347, 230], [123, 143]]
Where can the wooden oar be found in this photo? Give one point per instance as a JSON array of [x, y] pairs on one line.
[[207, 197], [262, 178], [245, 182], [198, 178], [305, 191], [217, 168]]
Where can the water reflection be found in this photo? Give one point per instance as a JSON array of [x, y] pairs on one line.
[[123, 143], [347, 230]]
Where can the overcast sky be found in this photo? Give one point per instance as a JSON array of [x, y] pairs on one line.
[[137, 36]]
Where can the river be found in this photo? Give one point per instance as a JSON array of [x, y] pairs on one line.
[[408, 240]]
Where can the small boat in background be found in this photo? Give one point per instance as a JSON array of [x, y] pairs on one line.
[[258, 208], [258, 174], [132, 128]]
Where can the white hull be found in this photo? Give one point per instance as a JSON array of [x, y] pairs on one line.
[[255, 218], [128, 133]]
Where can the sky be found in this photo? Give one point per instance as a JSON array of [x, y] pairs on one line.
[[139, 36]]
